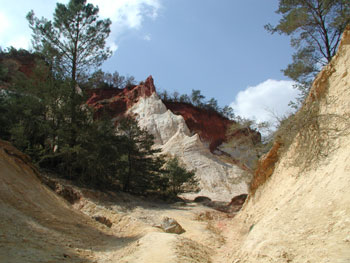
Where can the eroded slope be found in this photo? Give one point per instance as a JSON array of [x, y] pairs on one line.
[[302, 212]]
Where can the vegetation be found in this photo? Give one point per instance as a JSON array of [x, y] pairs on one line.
[[198, 100], [315, 27], [140, 167], [74, 42], [100, 79], [315, 132], [43, 112], [178, 176]]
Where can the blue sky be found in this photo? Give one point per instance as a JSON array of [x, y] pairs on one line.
[[217, 46]]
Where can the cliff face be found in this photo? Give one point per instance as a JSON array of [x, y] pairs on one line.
[[209, 125], [298, 212], [116, 102], [218, 179], [179, 129]]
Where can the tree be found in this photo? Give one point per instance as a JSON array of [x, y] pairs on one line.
[[178, 176], [185, 98], [100, 79], [140, 168], [213, 105], [75, 40], [197, 98], [315, 27], [227, 112], [72, 44]]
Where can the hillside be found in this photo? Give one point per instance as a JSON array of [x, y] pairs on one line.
[[38, 225], [302, 212]]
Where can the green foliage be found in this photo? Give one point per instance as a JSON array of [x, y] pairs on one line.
[[100, 79], [74, 41], [140, 166], [315, 27], [198, 100], [178, 177]]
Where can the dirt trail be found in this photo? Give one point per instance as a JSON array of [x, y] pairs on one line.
[[135, 217]]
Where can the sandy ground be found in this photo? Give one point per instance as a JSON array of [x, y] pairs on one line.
[[37, 225]]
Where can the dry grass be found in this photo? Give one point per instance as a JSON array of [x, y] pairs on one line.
[[314, 134]]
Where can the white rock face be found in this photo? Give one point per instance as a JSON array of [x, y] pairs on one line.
[[218, 180]]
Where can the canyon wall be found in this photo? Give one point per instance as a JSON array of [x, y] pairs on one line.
[[299, 210]]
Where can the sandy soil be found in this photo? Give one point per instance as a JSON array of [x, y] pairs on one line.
[[37, 225], [302, 213]]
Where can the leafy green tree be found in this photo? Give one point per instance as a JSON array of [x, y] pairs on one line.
[[100, 79], [95, 158], [185, 98], [213, 104], [227, 112], [315, 27], [140, 167], [75, 41], [72, 44], [197, 98], [178, 176]]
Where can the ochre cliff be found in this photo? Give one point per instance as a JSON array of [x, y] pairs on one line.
[[208, 124], [116, 102], [299, 207], [211, 127], [197, 136]]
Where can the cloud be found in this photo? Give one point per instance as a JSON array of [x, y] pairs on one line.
[[129, 13], [125, 15], [10, 36], [263, 101], [4, 22]]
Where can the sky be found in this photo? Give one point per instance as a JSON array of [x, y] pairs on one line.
[[217, 46]]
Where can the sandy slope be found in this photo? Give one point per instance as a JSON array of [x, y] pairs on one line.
[[37, 225], [303, 214]]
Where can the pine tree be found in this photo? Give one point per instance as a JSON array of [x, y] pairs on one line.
[[74, 41], [316, 27], [178, 177], [72, 44], [140, 167]]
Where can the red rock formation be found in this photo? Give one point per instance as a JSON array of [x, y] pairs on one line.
[[116, 102], [24, 63], [210, 126]]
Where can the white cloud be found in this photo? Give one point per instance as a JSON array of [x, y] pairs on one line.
[[10, 35], [125, 15], [263, 101], [4, 22]]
